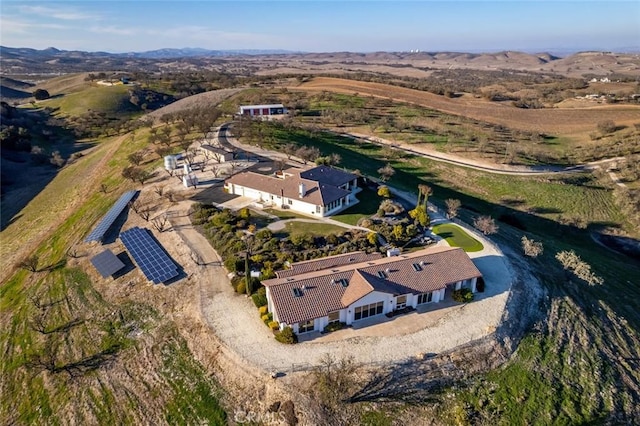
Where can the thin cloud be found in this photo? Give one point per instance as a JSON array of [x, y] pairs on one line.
[[14, 26], [112, 29], [56, 13]]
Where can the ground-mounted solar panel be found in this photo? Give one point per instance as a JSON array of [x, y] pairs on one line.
[[107, 263], [149, 255], [98, 232]]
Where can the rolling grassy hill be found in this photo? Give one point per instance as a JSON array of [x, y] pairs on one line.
[[75, 350], [110, 100]]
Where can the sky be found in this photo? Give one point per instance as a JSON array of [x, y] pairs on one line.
[[322, 26]]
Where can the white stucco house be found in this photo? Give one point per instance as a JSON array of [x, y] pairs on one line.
[[319, 191], [262, 111], [355, 286]]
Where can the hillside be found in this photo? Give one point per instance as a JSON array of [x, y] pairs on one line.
[[20, 61]]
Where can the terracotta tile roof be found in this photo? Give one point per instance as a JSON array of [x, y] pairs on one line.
[[319, 296], [358, 288], [318, 194], [328, 262], [322, 292]]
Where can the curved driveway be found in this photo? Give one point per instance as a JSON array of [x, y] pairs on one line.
[[444, 326]]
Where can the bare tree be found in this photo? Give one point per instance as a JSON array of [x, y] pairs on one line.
[[607, 126], [30, 263], [307, 153], [486, 225], [531, 248], [162, 151], [160, 223], [136, 205], [289, 150], [234, 165], [423, 194], [56, 159], [73, 252], [158, 190], [145, 212], [103, 188], [572, 262], [215, 170], [386, 172], [453, 205], [136, 157]]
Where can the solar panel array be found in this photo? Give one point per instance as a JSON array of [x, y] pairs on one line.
[[149, 256], [107, 263], [98, 232]]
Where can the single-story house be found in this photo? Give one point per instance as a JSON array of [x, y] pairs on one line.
[[262, 110], [319, 191], [348, 291], [218, 154]]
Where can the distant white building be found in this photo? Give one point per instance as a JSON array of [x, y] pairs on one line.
[[265, 111]]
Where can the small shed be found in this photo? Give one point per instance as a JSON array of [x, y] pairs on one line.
[[217, 154]]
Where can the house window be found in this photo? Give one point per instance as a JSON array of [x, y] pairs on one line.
[[425, 298], [334, 317], [366, 311], [401, 302], [318, 209], [289, 202], [305, 327]]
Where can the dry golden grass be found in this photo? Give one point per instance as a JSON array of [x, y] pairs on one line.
[[575, 123], [64, 84]]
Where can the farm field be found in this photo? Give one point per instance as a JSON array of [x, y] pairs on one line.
[[574, 123]]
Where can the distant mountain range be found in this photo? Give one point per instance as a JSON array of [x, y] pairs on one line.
[[150, 54], [21, 61]]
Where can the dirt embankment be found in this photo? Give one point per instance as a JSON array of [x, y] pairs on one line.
[[201, 100]]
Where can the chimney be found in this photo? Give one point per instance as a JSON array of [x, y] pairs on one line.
[[302, 190]]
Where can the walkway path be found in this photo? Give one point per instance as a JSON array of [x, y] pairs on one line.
[[504, 169], [281, 224]]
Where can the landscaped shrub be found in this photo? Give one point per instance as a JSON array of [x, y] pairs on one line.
[[334, 326], [287, 336], [274, 325], [241, 287], [267, 318], [263, 310], [260, 297], [463, 295]]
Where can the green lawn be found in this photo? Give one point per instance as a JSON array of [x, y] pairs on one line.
[[457, 237], [368, 206], [313, 228]]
